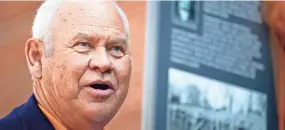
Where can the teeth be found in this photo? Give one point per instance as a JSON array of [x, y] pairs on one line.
[[100, 86]]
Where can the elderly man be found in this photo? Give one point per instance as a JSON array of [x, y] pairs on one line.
[[80, 64]]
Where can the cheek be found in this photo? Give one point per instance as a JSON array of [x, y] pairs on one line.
[[122, 68], [68, 71]]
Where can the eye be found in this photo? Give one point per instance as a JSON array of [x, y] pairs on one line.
[[116, 51], [84, 44], [82, 47], [116, 48]]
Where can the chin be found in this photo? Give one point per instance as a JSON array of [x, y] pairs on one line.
[[100, 112]]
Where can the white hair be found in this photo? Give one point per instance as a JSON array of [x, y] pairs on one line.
[[42, 23]]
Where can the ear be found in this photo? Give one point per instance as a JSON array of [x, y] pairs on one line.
[[33, 53]]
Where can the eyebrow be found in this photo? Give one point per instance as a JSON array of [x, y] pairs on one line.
[[83, 36], [110, 40], [117, 40]]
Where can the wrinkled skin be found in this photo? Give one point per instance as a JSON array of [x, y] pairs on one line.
[[89, 43]]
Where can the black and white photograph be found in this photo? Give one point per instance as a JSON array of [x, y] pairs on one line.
[[185, 10], [185, 13], [199, 103]]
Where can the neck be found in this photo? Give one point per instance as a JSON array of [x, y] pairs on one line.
[[69, 118]]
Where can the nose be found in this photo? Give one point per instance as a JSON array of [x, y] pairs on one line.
[[100, 61]]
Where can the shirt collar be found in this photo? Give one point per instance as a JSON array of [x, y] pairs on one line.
[[55, 123]]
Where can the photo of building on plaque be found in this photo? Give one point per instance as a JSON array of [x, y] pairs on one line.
[[200, 103]]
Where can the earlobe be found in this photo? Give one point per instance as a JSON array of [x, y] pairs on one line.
[[36, 70], [33, 53]]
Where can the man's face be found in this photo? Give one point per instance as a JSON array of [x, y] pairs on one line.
[[89, 70], [183, 8]]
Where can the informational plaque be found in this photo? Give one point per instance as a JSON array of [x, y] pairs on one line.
[[209, 66]]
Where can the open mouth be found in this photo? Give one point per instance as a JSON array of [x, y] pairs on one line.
[[101, 89], [101, 86]]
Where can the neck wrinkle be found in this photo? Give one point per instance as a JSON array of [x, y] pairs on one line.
[[43, 101]]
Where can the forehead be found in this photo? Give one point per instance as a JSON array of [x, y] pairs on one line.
[[91, 17]]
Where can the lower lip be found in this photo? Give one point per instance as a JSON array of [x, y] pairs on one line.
[[100, 92]]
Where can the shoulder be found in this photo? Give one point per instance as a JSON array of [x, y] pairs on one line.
[[28, 116], [11, 122]]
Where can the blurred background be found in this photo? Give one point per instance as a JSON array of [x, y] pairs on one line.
[[15, 82]]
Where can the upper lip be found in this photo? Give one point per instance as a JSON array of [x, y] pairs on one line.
[[106, 82]]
